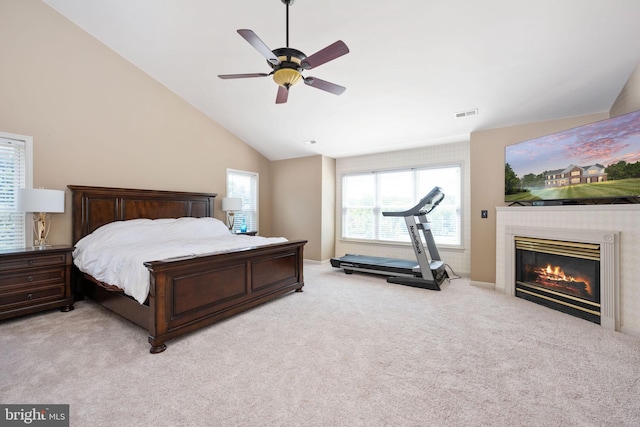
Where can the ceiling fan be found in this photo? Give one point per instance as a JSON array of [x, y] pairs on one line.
[[288, 64]]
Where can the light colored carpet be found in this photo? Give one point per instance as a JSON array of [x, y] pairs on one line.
[[348, 351]]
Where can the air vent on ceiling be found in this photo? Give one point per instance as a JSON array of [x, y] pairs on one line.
[[467, 113]]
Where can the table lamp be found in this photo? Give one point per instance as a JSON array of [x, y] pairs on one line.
[[230, 204], [41, 202]]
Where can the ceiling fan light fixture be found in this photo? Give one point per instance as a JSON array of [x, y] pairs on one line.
[[287, 77]]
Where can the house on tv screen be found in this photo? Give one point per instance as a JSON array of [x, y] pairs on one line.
[[572, 175]]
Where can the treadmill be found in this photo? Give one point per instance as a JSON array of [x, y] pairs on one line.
[[430, 271]]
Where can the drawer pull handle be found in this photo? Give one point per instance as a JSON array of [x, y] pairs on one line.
[[30, 296], [30, 278], [30, 262]]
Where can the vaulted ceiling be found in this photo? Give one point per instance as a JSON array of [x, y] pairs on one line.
[[412, 64]]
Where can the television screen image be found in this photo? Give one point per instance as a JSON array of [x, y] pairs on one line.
[[597, 163]]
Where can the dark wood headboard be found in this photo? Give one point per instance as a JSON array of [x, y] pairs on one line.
[[93, 207]]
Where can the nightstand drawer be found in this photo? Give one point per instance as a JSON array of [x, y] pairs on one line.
[[28, 278], [33, 261], [28, 297]]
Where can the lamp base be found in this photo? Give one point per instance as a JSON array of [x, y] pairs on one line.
[[230, 220], [38, 247], [41, 228]]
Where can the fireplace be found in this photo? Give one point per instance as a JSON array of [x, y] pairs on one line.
[[559, 274], [609, 265]]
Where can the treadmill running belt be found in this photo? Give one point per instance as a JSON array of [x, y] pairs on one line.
[[389, 265]]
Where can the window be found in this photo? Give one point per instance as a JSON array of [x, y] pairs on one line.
[[366, 195], [244, 185], [15, 173]]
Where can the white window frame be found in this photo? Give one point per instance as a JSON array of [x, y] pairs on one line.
[[377, 209], [249, 212], [26, 180]]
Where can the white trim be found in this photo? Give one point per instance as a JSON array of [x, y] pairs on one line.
[[257, 176]]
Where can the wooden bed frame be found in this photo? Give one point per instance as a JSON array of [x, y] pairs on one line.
[[187, 293]]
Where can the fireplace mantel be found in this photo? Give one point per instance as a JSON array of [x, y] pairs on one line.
[[621, 219]]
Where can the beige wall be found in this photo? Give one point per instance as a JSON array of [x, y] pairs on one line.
[[629, 98], [98, 120], [303, 194], [328, 208]]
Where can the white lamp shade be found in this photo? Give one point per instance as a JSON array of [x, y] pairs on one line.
[[231, 204], [40, 200]]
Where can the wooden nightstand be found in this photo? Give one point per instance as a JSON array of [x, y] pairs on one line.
[[33, 280], [247, 233]]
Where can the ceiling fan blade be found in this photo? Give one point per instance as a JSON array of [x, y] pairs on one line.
[[241, 76], [259, 45], [325, 55], [283, 94], [324, 85]]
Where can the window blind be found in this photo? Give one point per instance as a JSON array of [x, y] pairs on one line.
[[13, 173]]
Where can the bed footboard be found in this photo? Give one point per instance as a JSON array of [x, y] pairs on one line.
[[191, 292]]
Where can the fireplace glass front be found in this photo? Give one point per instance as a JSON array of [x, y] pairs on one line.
[[561, 275]]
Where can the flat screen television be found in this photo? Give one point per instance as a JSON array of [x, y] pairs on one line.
[[590, 164]]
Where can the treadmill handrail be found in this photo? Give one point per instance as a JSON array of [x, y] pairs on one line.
[[431, 200]]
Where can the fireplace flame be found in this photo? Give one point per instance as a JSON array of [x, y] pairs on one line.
[[556, 274]]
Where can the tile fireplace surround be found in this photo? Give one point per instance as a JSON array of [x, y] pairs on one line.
[[615, 227]]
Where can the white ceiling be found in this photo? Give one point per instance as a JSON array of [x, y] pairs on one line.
[[412, 64]]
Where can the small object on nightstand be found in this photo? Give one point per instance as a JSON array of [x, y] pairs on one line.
[[243, 227], [33, 280]]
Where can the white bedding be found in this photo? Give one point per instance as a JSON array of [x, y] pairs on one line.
[[115, 253]]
